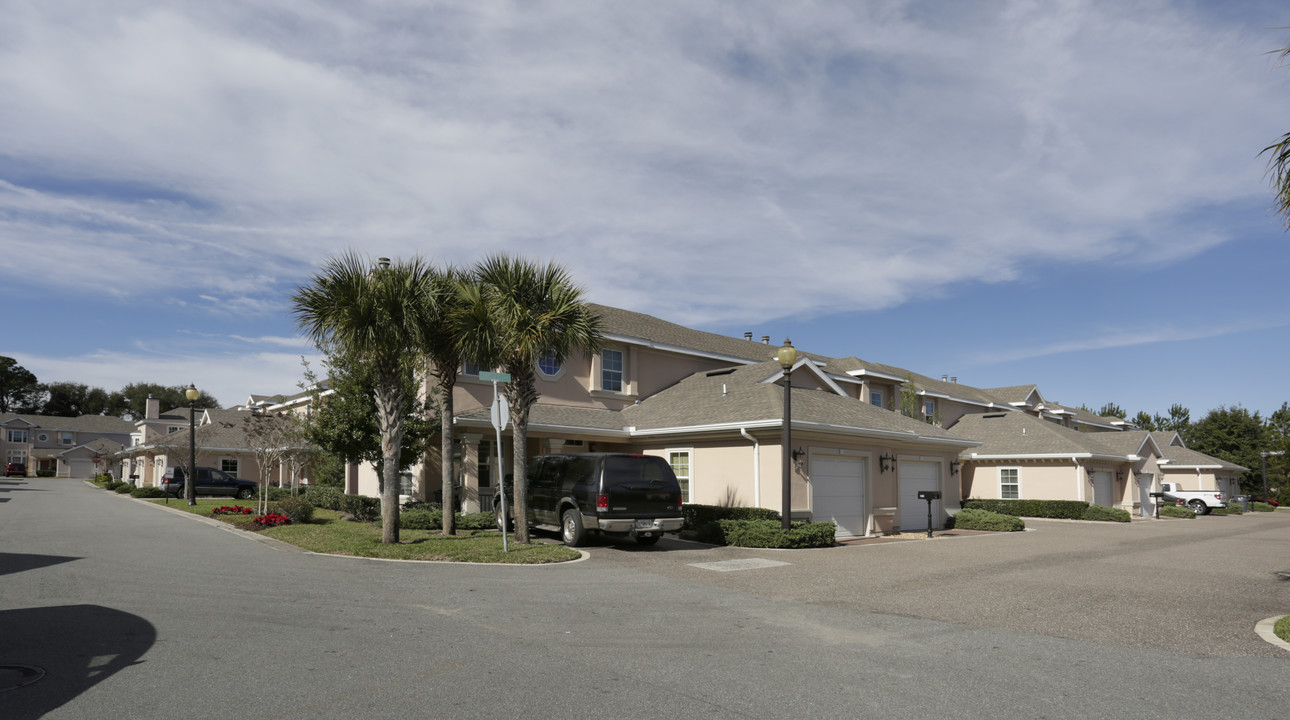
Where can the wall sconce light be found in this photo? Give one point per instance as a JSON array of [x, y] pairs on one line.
[[797, 454], [954, 467], [886, 462], [1119, 476]]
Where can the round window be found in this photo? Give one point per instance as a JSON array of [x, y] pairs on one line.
[[42, 437], [549, 364]]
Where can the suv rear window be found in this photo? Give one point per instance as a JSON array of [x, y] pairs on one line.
[[620, 470]]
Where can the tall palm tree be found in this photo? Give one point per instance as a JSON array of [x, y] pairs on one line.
[[443, 336], [376, 314], [516, 312], [1279, 163]]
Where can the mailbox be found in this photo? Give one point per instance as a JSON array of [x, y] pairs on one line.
[[929, 494], [1156, 495]]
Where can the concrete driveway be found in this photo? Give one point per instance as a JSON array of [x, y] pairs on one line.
[[1191, 586]]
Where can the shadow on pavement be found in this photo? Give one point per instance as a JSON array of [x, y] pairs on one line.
[[51, 655], [19, 562]]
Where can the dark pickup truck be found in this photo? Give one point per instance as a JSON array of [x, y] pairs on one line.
[[608, 493]]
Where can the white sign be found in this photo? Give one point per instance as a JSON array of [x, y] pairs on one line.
[[500, 412]]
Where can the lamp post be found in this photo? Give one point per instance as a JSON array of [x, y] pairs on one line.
[[787, 357], [190, 482]]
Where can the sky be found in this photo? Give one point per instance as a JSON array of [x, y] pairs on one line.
[[1066, 193]]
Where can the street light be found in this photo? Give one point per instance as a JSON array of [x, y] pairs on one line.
[[190, 484], [787, 357]]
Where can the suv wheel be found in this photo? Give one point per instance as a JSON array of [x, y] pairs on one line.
[[244, 493], [571, 530]]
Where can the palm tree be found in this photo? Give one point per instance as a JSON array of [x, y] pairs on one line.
[[1279, 163], [443, 334], [376, 314], [516, 312]]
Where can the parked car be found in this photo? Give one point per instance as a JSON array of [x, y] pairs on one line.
[[609, 493], [210, 481], [1200, 501], [15, 468], [1269, 501]]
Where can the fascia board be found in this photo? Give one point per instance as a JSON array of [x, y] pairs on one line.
[[965, 401], [1046, 456], [602, 432], [632, 431], [30, 424], [641, 342], [907, 436], [815, 369], [876, 374]]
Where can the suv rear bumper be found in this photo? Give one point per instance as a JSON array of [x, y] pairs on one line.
[[630, 525]]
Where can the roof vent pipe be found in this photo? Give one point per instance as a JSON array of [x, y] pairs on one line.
[[765, 339], [944, 378], [383, 263], [748, 335], [954, 379], [724, 392]]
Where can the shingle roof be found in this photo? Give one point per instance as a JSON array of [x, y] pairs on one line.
[[1015, 433], [1182, 456], [83, 423], [649, 328]]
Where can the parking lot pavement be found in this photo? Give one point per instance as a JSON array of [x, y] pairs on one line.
[[1193, 586]]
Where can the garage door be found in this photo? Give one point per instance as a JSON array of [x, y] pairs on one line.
[[1102, 488], [81, 468], [837, 485], [915, 476]]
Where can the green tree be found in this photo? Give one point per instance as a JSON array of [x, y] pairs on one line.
[[19, 389], [1233, 434], [71, 399], [907, 402], [1278, 438], [1143, 421], [133, 401], [1111, 410], [375, 315], [516, 312], [1179, 420], [445, 333], [1279, 164]]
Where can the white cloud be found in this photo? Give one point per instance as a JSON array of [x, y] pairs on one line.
[[1125, 337], [682, 159]]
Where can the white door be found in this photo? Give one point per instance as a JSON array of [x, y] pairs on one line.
[[1102, 488], [837, 485], [915, 476]]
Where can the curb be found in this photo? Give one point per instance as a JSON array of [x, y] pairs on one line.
[[1264, 630]]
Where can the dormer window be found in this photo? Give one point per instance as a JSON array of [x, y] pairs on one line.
[[875, 398], [611, 370]]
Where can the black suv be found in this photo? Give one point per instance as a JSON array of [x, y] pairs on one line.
[[210, 481], [609, 493]]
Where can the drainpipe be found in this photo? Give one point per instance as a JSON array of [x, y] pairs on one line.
[[756, 466], [1079, 479]]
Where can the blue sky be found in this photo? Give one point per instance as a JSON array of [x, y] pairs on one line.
[[1062, 193]]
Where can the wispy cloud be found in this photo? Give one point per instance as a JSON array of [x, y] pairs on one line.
[[1134, 336]]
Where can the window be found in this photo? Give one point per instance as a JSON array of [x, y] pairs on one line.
[[549, 364], [611, 370], [929, 408], [470, 369], [228, 465], [1009, 483], [680, 461], [405, 483], [485, 463], [17, 456], [174, 429], [17, 436], [875, 397], [66, 438]]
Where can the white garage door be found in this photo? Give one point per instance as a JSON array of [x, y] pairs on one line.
[[81, 468], [837, 485], [915, 476], [1102, 488]]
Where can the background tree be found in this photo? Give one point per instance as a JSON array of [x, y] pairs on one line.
[[375, 315], [71, 399], [1111, 410], [19, 389], [906, 402], [134, 399], [515, 312], [1233, 434], [1143, 421], [1278, 438]]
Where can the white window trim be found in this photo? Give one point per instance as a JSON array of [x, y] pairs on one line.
[[689, 479], [1017, 470], [622, 371], [237, 466], [537, 365]]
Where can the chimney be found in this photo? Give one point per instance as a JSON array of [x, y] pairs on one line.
[[152, 408], [954, 379], [944, 378], [765, 339], [748, 335]]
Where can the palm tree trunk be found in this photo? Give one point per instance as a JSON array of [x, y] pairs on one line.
[[445, 461], [519, 466], [389, 416]]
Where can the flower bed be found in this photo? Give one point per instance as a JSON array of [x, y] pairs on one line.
[[272, 520], [231, 510]]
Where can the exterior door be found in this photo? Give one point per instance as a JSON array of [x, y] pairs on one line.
[[915, 476], [1145, 481], [838, 490], [1102, 488]]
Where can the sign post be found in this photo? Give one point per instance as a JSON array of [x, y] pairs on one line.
[[499, 413]]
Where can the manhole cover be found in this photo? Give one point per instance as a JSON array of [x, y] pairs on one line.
[[13, 677]]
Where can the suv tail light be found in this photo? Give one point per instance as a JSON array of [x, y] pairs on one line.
[[602, 502]]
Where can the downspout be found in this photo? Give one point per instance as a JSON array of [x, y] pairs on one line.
[[756, 466], [1079, 479]]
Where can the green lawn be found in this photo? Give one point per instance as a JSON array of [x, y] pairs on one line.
[[328, 533], [1282, 628]]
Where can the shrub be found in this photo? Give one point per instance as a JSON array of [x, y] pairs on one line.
[[420, 519], [475, 521], [771, 534], [297, 508], [328, 498], [703, 522], [147, 492], [274, 494], [113, 485], [1066, 509], [1176, 512], [44, 473], [423, 505], [363, 508], [1108, 514], [1262, 507], [123, 488], [1231, 509], [978, 519]]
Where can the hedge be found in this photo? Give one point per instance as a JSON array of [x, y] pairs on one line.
[[1066, 509], [327, 498], [1176, 512], [771, 534], [1262, 507], [362, 507], [703, 522], [420, 518], [1107, 514], [147, 492], [978, 519]]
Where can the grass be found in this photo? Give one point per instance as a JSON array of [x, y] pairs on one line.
[[1282, 628], [330, 534]]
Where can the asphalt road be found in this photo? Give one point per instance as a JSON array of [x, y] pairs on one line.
[[135, 612]]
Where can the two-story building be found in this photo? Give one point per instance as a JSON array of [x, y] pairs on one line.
[[61, 446]]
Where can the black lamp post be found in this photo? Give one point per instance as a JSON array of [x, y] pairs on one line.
[[787, 357], [190, 482]]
